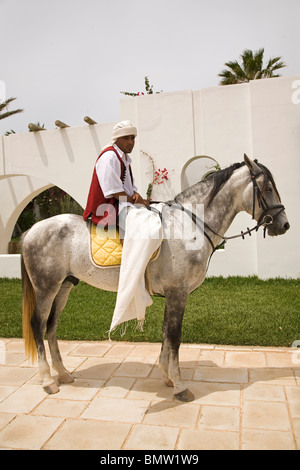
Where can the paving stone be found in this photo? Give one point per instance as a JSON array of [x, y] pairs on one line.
[[280, 359], [96, 368], [296, 428], [60, 408], [117, 387], [5, 418], [144, 437], [244, 359], [245, 398], [5, 391], [135, 367], [293, 395], [172, 414], [91, 349], [120, 350], [151, 389], [116, 409], [216, 393], [200, 439], [23, 400], [146, 350], [282, 376], [88, 435], [263, 392], [254, 439], [218, 374], [226, 418], [28, 432], [211, 358], [80, 389], [15, 376], [261, 415]]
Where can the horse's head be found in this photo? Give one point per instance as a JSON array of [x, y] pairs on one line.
[[265, 206]]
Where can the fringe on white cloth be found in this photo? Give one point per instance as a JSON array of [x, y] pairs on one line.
[[143, 235]]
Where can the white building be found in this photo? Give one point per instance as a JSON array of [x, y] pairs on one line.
[[260, 118]]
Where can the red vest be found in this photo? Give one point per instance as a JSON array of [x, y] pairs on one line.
[[100, 209]]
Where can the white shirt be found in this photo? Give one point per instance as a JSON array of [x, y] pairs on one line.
[[108, 169]]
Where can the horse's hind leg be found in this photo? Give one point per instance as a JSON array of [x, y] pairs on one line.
[[39, 325], [58, 305], [169, 363]]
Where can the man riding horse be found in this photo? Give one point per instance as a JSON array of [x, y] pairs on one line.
[[112, 181], [112, 197]]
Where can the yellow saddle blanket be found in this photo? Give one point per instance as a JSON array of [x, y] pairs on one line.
[[106, 247]]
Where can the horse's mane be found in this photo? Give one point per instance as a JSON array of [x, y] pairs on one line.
[[219, 178]]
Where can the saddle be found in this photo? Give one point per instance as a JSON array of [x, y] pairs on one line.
[[106, 247]]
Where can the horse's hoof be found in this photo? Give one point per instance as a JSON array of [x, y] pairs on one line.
[[51, 388], [168, 382], [65, 378], [185, 395]]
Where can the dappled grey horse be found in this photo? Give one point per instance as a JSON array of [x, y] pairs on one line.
[[56, 254]]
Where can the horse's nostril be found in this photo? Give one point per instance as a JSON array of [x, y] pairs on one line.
[[286, 226]]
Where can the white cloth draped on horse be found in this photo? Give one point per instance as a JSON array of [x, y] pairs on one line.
[[143, 235]]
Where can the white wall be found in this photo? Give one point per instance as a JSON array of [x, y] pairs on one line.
[[258, 118], [10, 266], [32, 162]]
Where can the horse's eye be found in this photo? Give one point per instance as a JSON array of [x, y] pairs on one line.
[[269, 189]]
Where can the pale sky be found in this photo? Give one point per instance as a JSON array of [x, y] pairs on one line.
[[64, 59]]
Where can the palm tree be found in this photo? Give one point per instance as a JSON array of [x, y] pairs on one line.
[[4, 105], [250, 69]]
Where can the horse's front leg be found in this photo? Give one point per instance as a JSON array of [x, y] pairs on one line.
[[169, 361]]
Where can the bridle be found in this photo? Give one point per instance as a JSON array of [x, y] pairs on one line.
[[264, 219]]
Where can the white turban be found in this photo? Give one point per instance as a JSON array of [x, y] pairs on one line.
[[123, 129]]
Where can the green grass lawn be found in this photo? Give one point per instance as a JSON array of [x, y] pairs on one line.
[[234, 310]]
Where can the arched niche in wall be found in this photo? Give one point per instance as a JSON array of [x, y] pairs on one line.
[[16, 191], [52, 201], [46, 203], [197, 168]]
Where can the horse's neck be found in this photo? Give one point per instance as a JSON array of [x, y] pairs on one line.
[[220, 213]]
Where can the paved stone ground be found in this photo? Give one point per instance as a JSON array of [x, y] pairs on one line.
[[245, 398]]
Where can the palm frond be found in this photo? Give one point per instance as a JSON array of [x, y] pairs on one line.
[[4, 105], [10, 113], [251, 68]]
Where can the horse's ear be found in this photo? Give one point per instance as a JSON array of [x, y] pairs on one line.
[[251, 164]]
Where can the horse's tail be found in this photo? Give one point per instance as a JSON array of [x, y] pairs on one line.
[[28, 306]]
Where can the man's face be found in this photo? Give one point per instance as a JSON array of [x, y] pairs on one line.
[[126, 143]]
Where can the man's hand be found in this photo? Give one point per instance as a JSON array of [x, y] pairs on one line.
[[137, 199]]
